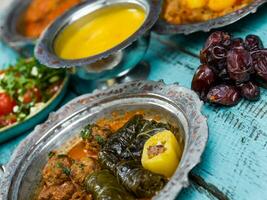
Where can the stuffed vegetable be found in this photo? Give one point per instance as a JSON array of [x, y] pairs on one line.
[[108, 162], [141, 182], [104, 186], [161, 153]]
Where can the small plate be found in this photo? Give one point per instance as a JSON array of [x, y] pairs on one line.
[[163, 27], [176, 105]]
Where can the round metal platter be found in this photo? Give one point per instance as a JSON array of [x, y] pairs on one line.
[[163, 27], [175, 104]]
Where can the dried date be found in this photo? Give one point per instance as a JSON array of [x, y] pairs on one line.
[[260, 63], [239, 65], [250, 91], [238, 43], [215, 48], [224, 95], [230, 67], [253, 42], [203, 79]]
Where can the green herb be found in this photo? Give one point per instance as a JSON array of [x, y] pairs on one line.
[[51, 154], [64, 169], [62, 156], [100, 140], [81, 166], [86, 133]]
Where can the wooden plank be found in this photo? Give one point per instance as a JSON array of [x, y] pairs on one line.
[[194, 192], [8, 56], [235, 158]]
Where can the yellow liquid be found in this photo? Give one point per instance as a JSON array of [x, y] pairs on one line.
[[99, 31]]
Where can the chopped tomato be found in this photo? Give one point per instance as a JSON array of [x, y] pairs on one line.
[[32, 94], [6, 104], [52, 90], [7, 120]]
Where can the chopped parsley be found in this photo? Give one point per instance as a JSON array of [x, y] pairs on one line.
[[51, 154], [86, 132], [64, 169], [100, 140]]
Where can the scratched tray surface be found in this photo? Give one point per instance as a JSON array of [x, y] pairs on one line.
[[235, 160]]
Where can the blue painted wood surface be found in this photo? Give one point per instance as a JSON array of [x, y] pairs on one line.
[[235, 160]]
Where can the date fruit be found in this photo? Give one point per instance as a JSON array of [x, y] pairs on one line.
[[203, 79], [218, 38], [260, 63], [215, 48], [250, 91], [253, 42], [238, 43], [224, 95], [239, 65], [230, 68]]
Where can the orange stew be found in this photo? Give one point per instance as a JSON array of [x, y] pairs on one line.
[[80, 151], [41, 13]]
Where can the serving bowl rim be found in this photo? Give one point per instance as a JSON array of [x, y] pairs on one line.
[[192, 112]]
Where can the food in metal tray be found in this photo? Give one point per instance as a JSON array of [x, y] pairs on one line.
[[40, 14], [231, 68], [106, 163], [192, 11]]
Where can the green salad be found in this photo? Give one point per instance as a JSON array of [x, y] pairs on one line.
[[25, 88]]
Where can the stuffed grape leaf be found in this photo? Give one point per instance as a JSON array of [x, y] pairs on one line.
[[104, 186], [122, 156]]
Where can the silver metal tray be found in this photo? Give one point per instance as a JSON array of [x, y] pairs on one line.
[[177, 105], [163, 27]]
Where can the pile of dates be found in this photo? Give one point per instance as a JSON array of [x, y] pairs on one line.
[[230, 69]]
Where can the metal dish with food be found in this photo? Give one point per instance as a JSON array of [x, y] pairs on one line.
[[113, 60], [141, 153], [206, 21], [25, 20], [168, 104], [26, 89]]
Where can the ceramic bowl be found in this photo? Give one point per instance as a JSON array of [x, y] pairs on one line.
[[175, 104]]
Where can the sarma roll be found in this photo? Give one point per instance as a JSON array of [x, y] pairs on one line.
[[128, 142], [122, 156], [141, 182], [104, 186]]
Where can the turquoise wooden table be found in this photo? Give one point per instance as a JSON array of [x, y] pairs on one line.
[[234, 165]]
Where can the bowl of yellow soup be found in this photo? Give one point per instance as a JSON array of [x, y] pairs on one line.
[[101, 39]]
